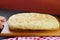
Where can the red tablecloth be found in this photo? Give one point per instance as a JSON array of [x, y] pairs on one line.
[[34, 38]]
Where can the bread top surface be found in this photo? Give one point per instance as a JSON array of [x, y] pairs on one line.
[[33, 21]]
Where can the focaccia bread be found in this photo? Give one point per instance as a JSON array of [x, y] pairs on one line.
[[33, 21]]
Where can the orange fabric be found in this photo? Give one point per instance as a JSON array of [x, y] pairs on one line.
[[44, 6]]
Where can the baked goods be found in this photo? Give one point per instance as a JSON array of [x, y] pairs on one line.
[[2, 21], [33, 21]]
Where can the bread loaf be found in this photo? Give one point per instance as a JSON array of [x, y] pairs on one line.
[[33, 21]]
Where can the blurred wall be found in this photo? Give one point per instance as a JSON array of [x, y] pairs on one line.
[[44, 6]]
